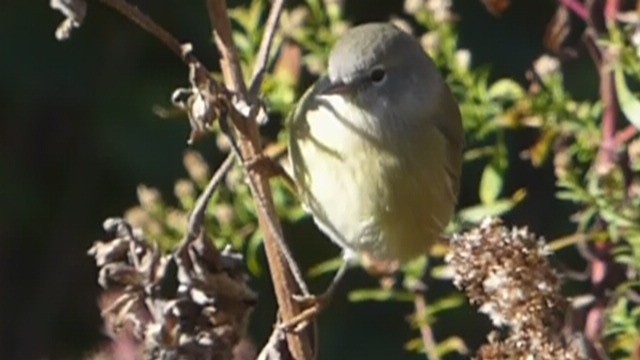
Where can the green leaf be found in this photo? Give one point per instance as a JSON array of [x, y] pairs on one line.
[[253, 249], [479, 153], [447, 303], [629, 104], [491, 183], [506, 89], [326, 266], [453, 344], [380, 295], [475, 214], [416, 268], [442, 272]]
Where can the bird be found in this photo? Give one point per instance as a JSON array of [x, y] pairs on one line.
[[375, 147]]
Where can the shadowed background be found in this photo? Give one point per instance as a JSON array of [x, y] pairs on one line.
[[77, 135]]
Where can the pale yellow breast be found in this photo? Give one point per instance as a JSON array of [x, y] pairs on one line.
[[363, 196]]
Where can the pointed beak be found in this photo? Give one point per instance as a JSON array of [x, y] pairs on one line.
[[337, 87]]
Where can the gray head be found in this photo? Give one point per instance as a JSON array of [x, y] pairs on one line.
[[384, 69]]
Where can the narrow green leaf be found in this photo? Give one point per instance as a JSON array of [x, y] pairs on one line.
[[452, 344], [506, 89], [629, 104], [379, 295], [447, 303], [327, 266], [490, 184], [475, 214], [253, 249]]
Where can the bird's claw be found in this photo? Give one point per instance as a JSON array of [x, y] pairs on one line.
[[312, 305]]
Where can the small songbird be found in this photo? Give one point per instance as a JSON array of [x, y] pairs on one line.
[[376, 147]]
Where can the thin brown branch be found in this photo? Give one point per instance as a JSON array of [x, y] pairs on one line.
[[260, 68], [136, 16], [627, 134], [229, 60], [577, 8], [196, 220], [248, 138], [604, 273], [426, 333]]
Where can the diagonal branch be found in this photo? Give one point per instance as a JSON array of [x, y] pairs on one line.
[[426, 333], [196, 220], [248, 137], [260, 68], [183, 51], [231, 69], [577, 8], [136, 16]]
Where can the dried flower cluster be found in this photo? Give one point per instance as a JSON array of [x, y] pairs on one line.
[[193, 304], [506, 272]]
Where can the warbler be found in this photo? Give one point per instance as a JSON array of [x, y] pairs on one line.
[[376, 147]]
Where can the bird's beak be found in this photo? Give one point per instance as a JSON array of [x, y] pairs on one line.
[[335, 88]]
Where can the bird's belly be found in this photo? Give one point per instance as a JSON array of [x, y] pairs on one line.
[[363, 197], [343, 186]]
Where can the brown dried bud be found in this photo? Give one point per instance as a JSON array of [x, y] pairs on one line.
[[506, 272], [196, 166], [203, 317]]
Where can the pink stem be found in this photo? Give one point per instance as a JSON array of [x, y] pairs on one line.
[[577, 8]]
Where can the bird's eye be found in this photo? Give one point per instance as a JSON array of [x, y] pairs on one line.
[[377, 75]]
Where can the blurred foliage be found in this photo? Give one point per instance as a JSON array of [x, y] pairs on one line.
[[568, 134]]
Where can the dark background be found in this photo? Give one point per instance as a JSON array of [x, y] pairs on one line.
[[77, 135]]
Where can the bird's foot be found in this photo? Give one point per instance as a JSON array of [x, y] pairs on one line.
[[313, 305]]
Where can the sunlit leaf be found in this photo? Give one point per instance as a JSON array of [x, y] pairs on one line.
[[453, 344], [542, 149], [253, 250], [327, 266], [442, 272], [491, 183], [506, 89], [475, 214], [379, 295], [416, 268], [447, 303], [629, 104]]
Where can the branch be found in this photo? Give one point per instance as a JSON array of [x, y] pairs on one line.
[[604, 272], [196, 220], [430, 345], [183, 51], [231, 69], [625, 135], [265, 48], [577, 8], [136, 16], [248, 137]]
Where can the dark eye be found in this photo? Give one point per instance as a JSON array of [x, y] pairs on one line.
[[377, 75]]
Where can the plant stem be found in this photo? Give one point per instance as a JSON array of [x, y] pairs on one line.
[[576, 7], [430, 345], [248, 138]]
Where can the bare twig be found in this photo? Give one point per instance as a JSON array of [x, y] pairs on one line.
[[604, 273], [627, 134], [196, 220], [576, 7], [229, 60], [265, 48], [430, 345], [181, 50], [248, 137], [135, 15]]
